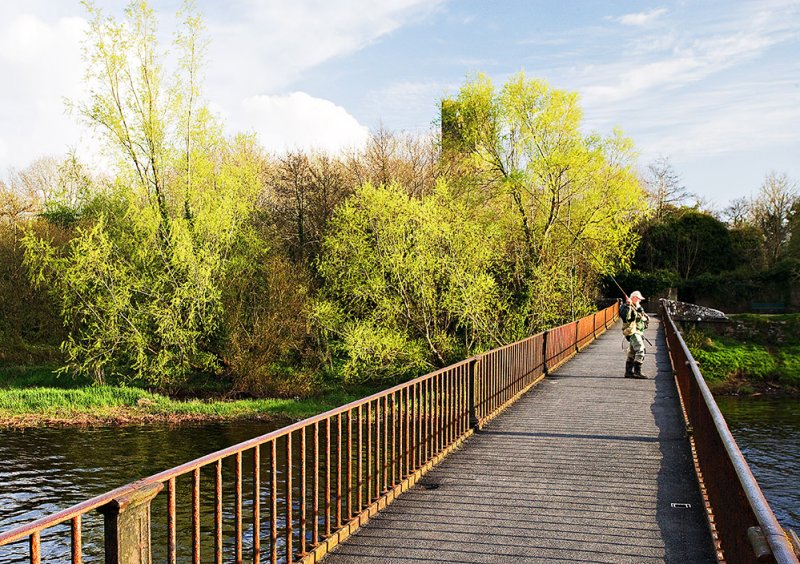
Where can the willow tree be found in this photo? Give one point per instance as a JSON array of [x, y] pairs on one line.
[[566, 201], [408, 283], [140, 285]]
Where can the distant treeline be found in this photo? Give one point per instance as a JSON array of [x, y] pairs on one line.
[[744, 257]]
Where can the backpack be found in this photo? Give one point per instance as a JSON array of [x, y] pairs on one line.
[[628, 327]]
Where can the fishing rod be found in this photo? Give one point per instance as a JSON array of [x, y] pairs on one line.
[[591, 254], [599, 263]]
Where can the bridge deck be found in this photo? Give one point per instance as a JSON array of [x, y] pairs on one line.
[[583, 469]]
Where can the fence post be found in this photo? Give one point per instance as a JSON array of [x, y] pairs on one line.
[[474, 420], [576, 337], [544, 352], [127, 526]]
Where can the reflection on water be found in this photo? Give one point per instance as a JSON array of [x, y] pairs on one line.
[[767, 431], [45, 470]]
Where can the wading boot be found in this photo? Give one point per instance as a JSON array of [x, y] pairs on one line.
[[637, 371], [629, 369]]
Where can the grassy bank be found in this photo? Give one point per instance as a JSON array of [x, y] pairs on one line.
[[755, 363], [35, 396]]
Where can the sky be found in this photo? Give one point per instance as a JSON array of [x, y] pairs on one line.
[[712, 85]]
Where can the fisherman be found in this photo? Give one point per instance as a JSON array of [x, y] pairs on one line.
[[634, 322]]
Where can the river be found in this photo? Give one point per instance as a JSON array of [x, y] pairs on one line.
[[44, 470], [48, 469], [767, 431]]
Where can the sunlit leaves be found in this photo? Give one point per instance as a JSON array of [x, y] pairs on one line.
[[407, 282], [140, 286]]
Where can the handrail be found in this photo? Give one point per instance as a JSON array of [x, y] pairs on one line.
[[378, 446], [734, 494]]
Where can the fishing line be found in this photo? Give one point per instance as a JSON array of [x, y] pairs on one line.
[[591, 253]]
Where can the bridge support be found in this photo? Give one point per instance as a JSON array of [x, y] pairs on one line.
[[127, 526]]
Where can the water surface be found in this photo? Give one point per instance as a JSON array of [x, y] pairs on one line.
[[767, 431], [45, 470]]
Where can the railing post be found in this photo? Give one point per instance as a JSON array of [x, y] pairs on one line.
[[544, 352], [576, 337], [474, 421], [127, 526]]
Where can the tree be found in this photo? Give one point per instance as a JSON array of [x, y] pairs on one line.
[[738, 212], [408, 283], [771, 211], [567, 203], [687, 242], [408, 160], [664, 188], [302, 192], [793, 248], [30, 189], [139, 287]]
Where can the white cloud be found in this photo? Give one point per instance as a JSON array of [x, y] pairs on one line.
[[286, 38], [257, 48], [642, 18], [40, 62], [300, 121], [732, 119], [684, 62]]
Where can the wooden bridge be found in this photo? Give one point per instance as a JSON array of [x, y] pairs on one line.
[[587, 467], [515, 454]]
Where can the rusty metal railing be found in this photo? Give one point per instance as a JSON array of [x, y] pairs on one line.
[[300, 490], [745, 524]]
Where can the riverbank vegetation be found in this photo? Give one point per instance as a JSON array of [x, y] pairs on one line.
[[756, 354], [201, 264], [34, 396]]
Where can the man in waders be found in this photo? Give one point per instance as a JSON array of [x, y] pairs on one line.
[[634, 322]]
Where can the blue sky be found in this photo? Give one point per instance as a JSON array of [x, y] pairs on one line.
[[713, 85]]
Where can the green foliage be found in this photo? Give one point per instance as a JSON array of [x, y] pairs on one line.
[[381, 354], [407, 283], [139, 287], [724, 359], [265, 323], [61, 215], [728, 288], [688, 242], [30, 328], [747, 246], [790, 359], [565, 204], [30, 375]]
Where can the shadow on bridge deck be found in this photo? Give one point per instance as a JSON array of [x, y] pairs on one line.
[[583, 469]]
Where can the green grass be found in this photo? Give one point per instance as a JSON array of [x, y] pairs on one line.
[[720, 360], [31, 395], [725, 360], [14, 376], [764, 317]]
